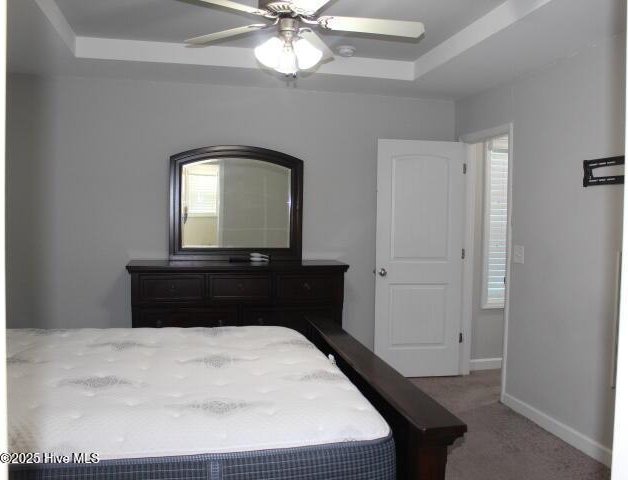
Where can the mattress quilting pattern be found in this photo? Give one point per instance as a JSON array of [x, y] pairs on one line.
[[133, 393]]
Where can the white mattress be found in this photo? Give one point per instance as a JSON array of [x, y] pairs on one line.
[[134, 393]]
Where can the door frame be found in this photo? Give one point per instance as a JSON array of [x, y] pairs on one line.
[[468, 267]]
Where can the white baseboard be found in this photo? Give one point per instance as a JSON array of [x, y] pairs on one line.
[[574, 438], [485, 364]]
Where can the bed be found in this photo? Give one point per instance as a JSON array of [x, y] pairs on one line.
[[219, 403]]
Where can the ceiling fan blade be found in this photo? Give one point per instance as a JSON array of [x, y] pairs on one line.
[[317, 42], [237, 6], [394, 28], [213, 37], [308, 6]]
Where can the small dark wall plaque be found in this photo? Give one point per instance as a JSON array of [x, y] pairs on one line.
[[590, 165]]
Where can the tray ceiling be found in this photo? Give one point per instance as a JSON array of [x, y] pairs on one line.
[[469, 47], [176, 20]]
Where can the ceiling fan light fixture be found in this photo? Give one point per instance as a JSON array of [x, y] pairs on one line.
[[287, 61], [288, 57], [308, 56], [279, 55], [268, 52]]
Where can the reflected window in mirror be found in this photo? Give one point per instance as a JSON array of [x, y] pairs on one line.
[[200, 200]]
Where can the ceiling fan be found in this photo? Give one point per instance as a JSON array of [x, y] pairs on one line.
[[296, 46]]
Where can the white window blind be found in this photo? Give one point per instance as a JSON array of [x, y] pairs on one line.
[[203, 192], [495, 221]]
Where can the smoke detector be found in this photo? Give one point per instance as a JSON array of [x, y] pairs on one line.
[[346, 51]]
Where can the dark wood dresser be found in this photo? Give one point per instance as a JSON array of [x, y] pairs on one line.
[[211, 294]]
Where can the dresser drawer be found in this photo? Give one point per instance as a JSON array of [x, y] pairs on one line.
[[240, 288], [298, 319], [307, 288], [186, 318], [171, 288], [295, 319], [260, 316]]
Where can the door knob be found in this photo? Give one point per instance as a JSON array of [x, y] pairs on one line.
[[382, 272]]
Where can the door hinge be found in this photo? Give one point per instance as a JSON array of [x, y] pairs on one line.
[[464, 254], [460, 338], [464, 168]]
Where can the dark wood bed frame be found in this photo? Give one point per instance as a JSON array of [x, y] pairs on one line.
[[422, 428]]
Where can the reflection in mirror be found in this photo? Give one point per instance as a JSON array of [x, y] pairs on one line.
[[235, 203]]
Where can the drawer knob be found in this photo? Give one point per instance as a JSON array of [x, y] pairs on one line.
[[159, 323], [173, 287], [240, 286], [260, 321], [306, 287]]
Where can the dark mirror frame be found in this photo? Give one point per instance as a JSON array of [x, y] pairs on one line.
[[178, 161]]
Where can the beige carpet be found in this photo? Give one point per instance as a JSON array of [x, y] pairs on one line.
[[501, 444]]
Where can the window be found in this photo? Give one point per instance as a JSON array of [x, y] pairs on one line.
[[496, 153], [203, 191]]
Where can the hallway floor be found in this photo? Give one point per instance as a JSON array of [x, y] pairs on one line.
[[501, 444]]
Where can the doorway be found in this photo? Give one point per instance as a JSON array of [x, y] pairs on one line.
[[488, 229], [488, 236]]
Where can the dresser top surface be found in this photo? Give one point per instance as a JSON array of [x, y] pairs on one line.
[[193, 265]]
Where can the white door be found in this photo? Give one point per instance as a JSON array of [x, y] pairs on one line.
[[420, 228]]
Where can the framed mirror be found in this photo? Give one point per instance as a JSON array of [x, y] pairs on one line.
[[229, 201]]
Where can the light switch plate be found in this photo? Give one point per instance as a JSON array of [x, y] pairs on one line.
[[518, 254]]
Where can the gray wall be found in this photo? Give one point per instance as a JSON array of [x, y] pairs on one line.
[[487, 325], [561, 324], [88, 178]]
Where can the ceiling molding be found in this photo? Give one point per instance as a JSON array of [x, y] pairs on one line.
[[370, 67], [59, 22], [232, 57], [161, 52], [500, 18]]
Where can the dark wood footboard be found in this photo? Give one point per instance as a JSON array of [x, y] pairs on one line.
[[422, 428]]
